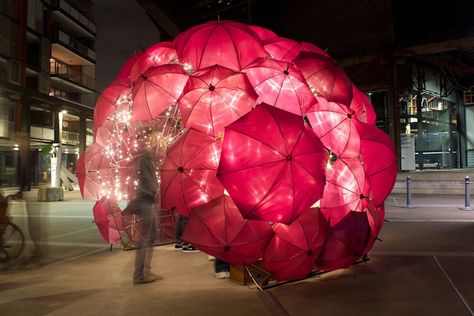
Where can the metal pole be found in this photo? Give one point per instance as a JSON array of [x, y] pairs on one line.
[[467, 194], [409, 205]]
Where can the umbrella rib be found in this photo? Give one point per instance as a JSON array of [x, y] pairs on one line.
[[254, 166], [254, 138], [233, 44], [279, 90], [228, 104], [205, 45], [145, 90], [196, 102], [268, 78], [281, 133], [163, 89]]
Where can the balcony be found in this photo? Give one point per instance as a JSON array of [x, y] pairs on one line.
[[67, 14], [68, 48], [76, 80]]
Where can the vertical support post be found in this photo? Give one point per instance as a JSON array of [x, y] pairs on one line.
[[467, 194], [409, 204]]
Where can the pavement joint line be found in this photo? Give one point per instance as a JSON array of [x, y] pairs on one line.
[[273, 305], [415, 205], [422, 253], [68, 244], [432, 220], [74, 232], [77, 257], [453, 286]]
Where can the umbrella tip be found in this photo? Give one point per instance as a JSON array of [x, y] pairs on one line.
[[180, 169]]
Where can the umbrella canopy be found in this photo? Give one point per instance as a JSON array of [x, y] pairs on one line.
[[93, 166], [335, 125], [345, 242], [218, 229], [262, 33], [379, 161], [281, 48], [226, 43], [159, 54], [108, 218], [375, 217], [362, 107], [281, 84], [157, 89], [124, 73], [310, 47], [346, 190], [272, 164], [214, 97], [107, 101], [188, 173], [325, 77], [292, 252]]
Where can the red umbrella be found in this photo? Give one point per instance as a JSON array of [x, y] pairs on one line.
[[375, 216], [218, 229], [159, 54], [272, 164], [262, 33], [310, 47], [362, 107], [107, 101], [108, 218], [325, 77], [281, 84], [124, 73], [188, 173], [281, 48], [157, 89], [347, 189], [93, 166], [292, 252], [345, 242], [335, 125], [214, 97], [226, 43], [379, 161]]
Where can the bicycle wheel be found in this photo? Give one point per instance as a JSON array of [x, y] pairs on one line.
[[11, 243]]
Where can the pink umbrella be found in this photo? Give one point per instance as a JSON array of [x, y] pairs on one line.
[[310, 47], [281, 48], [335, 125], [108, 218], [325, 77], [158, 88], [226, 43], [159, 54], [124, 73], [272, 164], [379, 161], [281, 84], [375, 216], [345, 242], [188, 173], [93, 166], [218, 229], [362, 107], [346, 190], [107, 101], [214, 97], [292, 252], [262, 33]]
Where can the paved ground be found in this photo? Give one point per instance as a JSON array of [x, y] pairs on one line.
[[423, 266]]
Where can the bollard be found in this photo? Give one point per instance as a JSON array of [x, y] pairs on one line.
[[467, 194], [409, 205]]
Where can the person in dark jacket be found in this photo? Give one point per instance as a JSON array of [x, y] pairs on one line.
[[145, 198]]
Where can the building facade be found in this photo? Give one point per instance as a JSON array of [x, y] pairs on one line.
[[47, 85]]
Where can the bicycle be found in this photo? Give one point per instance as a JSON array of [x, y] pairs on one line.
[[12, 240]]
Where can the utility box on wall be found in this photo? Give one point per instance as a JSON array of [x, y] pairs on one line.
[[407, 151]]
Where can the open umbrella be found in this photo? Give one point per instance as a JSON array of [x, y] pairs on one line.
[[345, 242], [362, 107], [107, 102], [281, 48], [292, 252], [124, 73], [226, 43], [310, 47], [281, 84], [262, 33], [108, 218], [335, 125], [188, 173], [159, 54], [157, 89], [375, 217], [379, 161], [215, 97], [346, 190], [272, 164], [325, 77], [218, 229]]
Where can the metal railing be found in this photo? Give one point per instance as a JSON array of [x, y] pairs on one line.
[[67, 40], [75, 14], [64, 71]]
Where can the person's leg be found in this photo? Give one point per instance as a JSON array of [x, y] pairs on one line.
[[180, 225], [141, 260], [222, 269]]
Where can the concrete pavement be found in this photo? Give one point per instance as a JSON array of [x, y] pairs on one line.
[[423, 266]]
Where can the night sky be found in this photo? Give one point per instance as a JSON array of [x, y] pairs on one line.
[[122, 28]]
